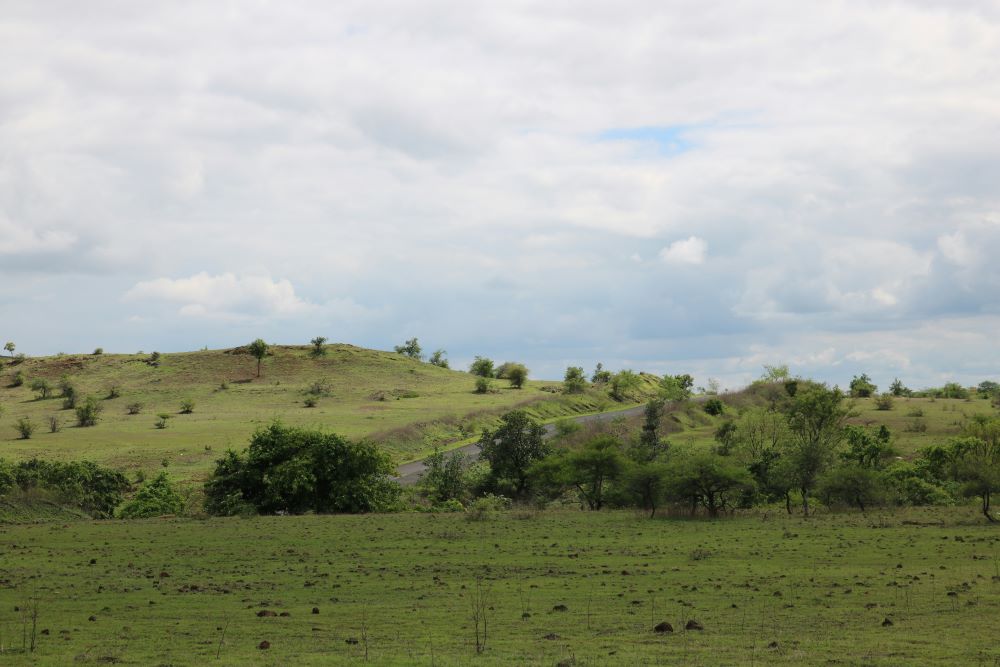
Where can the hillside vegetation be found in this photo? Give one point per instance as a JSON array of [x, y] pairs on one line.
[[408, 407]]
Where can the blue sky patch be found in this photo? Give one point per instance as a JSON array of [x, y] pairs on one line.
[[667, 139]]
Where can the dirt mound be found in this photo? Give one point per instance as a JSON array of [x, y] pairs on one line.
[[663, 627], [693, 625]]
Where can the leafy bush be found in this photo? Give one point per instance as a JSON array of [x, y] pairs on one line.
[[134, 408], [484, 385], [714, 407], [623, 383], [574, 382], [89, 412], [92, 488], [311, 402], [18, 379], [411, 349], [25, 427], [161, 420], [438, 359], [114, 391], [187, 406], [883, 402], [862, 386], [98, 351], [42, 387], [517, 374], [297, 470], [486, 507], [321, 387], [482, 366], [156, 498]]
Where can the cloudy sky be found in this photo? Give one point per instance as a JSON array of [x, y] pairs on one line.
[[666, 186]]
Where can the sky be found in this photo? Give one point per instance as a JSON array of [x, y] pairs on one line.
[[667, 186]]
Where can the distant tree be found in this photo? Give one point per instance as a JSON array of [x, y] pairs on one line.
[[600, 376], [482, 366], [10, 347], [296, 470], [319, 349], [650, 446], [98, 351], [676, 387], [776, 373], [444, 478], [589, 470], [953, 390], [868, 447], [816, 418], [851, 484], [411, 349], [726, 436], [89, 412], [517, 374], [25, 427], [623, 383], [897, 388], [42, 387], [988, 389], [975, 461], [500, 372], [258, 349], [758, 441], [646, 485], [714, 407], [574, 381], [511, 449], [862, 386], [438, 359], [484, 385], [715, 482]]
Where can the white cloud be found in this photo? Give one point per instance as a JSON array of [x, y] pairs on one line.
[[691, 250], [223, 296]]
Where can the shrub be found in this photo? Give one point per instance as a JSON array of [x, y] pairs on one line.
[[517, 374], [714, 407], [98, 351], [318, 344], [187, 406], [916, 425], [484, 385], [89, 413], [862, 386], [92, 488], [438, 359], [482, 366], [411, 349], [297, 470], [623, 383], [486, 507], [574, 382], [311, 402], [161, 419], [18, 379], [320, 387], [42, 387], [157, 497], [154, 359], [68, 393], [53, 424], [883, 402], [114, 391], [25, 427], [133, 408]]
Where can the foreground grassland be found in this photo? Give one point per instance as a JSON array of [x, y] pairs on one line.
[[406, 406], [767, 589]]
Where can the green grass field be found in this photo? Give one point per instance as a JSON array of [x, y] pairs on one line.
[[768, 589], [407, 406]]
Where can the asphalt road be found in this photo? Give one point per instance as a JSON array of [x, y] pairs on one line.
[[409, 473]]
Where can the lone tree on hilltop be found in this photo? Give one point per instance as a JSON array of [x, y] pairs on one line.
[[10, 348], [258, 349], [318, 350], [411, 349]]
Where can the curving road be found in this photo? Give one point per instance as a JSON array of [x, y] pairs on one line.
[[409, 473]]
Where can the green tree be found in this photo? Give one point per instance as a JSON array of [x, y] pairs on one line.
[[600, 376], [158, 497], [715, 482], [511, 449], [89, 412], [319, 346], [411, 349], [574, 381], [975, 460], [42, 387], [297, 470], [10, 347], [444, 478], [438, 359], [650, 445], [676, 387], [897, 388], [25, 428], [482, 366], [258, 349], [646, 485], [588, 470], [517, 374], [852, 484], [868, 447], [862, 386], [759, 438], [623, 383], [816, 418]]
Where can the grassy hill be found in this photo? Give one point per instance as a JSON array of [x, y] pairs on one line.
[[406, 405]]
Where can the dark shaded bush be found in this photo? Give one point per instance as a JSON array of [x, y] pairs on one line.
[[157, 497], [93, 488]]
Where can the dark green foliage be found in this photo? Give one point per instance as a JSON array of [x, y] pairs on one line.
[[953, 390], [897, 388], [646, 485], [714, 407], [187, 406], [482, 366], [600, 376], [438, 359], [98, 351], [676, 387], [868, 447], [988, 389], [623, 383], [510, 450], [714, 482], [816, 418], [574, 382], [444, 479], [297, 470], [94, 489], [853, 485], [258, 349], [411, 349], [517, 374], [157, 497], [884, 402], [319, 348], [650, 446], [588, 470], [725, 435], [89, 412], [18, 379], [862, 386], [484, 385]]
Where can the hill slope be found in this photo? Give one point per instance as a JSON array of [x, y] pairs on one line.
[[406, 405]]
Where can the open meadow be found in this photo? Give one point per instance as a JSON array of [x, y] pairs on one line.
[[556, 587]]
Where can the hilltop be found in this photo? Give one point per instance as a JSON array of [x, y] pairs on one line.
[[407, 406]]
